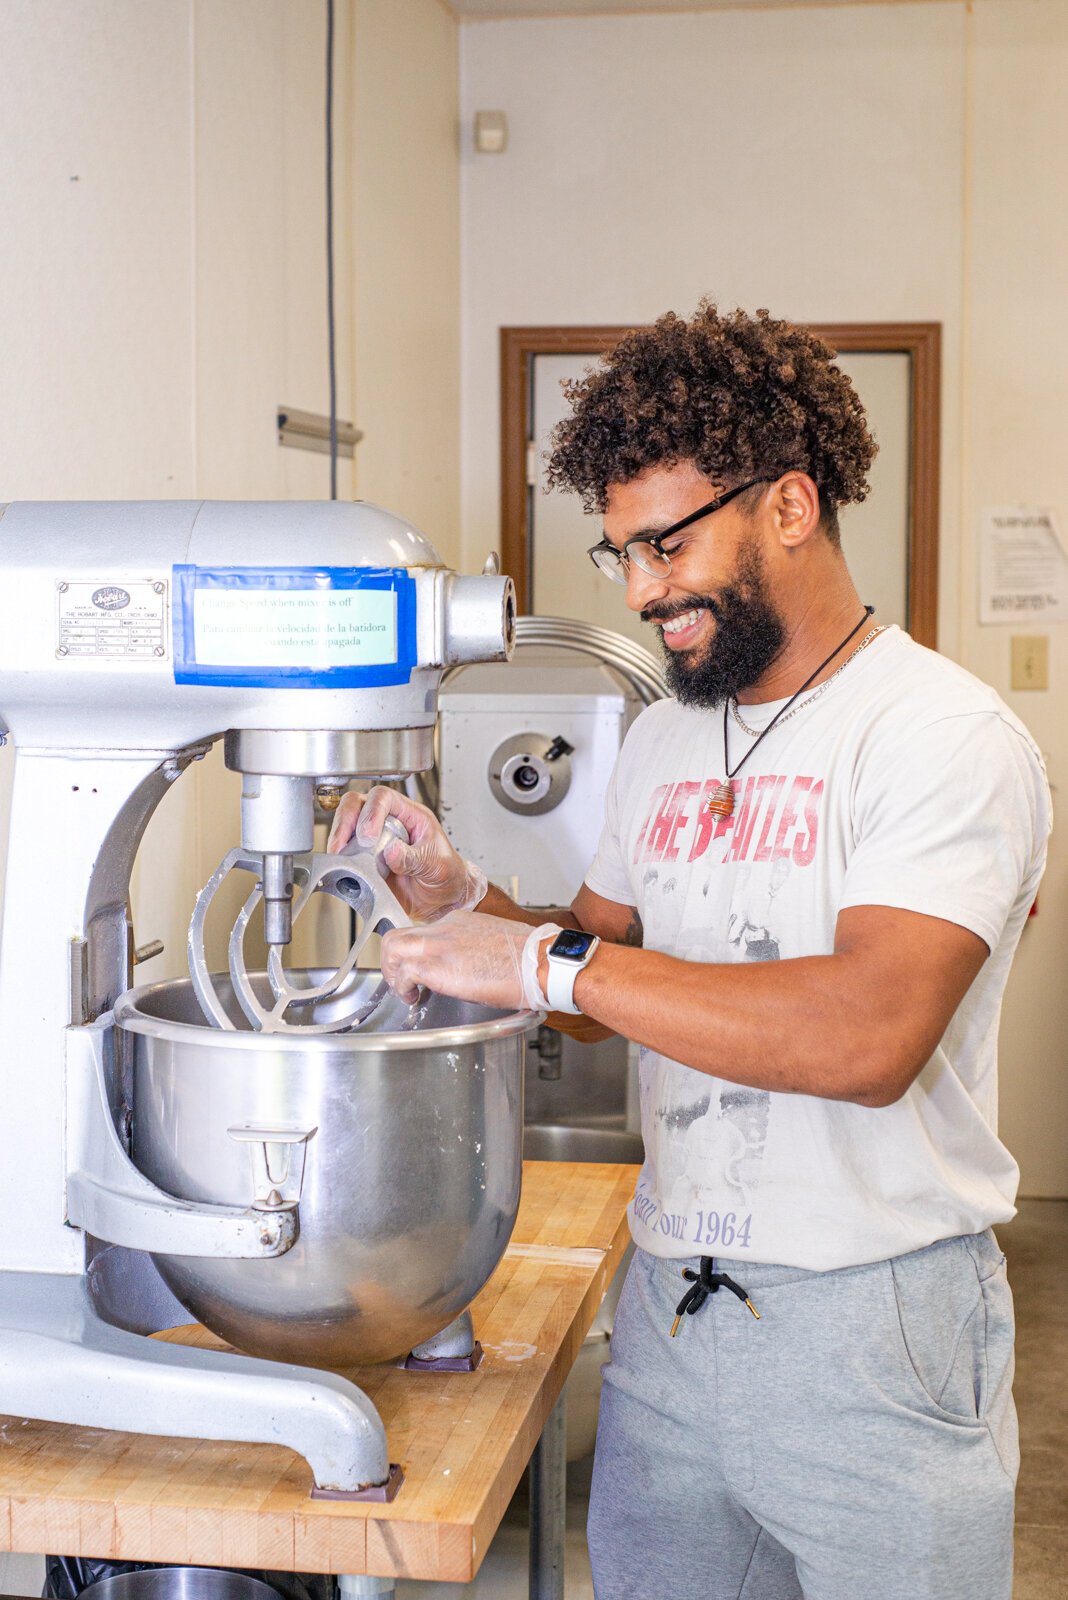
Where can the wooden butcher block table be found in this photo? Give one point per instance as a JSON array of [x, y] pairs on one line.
[[463, 1439]]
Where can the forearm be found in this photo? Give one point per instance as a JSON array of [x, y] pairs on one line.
[[791, 1026], [857, 1025], [495, 903]]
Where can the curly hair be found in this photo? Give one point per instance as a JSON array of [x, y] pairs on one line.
[[740, 396]]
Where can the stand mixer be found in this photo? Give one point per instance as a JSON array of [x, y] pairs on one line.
[[291, 1157]]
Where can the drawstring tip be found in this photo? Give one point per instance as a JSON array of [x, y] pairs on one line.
[[752, 1308], [675, 1326]]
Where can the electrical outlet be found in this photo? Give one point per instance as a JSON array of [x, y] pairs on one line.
[[1030, 661]]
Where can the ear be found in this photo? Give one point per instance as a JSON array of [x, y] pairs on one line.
[[796, 505]]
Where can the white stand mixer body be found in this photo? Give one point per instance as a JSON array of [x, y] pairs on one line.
[[131, 636]]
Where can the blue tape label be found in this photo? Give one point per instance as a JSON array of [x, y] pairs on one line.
[[294, 627]]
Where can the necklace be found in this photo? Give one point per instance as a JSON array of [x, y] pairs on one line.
[[721, 803], [754, 733]]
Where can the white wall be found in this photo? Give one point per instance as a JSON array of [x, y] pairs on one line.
[[162, 258], [863, 163], [653, 160], [97, 264], [96, 261], [257, 116], [1016, 407], [406, 248]]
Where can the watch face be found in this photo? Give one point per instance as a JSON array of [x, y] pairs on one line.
[[571, 944]]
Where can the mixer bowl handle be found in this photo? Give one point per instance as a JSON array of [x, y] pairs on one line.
[[109, 1198]]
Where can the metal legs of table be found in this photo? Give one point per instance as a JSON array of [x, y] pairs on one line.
[[548, 1489], [356, 1586]]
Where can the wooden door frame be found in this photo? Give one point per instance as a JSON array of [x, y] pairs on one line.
[[920, 341]]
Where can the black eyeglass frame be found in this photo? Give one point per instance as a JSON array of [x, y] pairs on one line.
[[656, 540]]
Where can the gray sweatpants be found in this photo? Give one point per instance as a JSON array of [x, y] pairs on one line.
[[857, 1443]]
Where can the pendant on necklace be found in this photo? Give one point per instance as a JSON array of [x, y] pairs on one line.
[[721, 801]]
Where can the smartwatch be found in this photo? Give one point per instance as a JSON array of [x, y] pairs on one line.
[[569, 952]]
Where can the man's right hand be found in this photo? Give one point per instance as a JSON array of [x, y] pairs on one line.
[[427, 876]]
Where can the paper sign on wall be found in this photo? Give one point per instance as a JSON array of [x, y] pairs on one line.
[[1023, 567]]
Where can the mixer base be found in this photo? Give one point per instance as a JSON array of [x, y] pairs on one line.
[[470, 1363], [453, 1349], [61, 1361], [380, 1493]]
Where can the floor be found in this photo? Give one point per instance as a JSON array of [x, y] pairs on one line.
[[1036, 1243]]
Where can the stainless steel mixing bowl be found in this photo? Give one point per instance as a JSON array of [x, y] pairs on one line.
[[411, 1163], [182, 1583]]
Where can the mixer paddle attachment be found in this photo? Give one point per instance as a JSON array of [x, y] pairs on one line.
[[354, 879]]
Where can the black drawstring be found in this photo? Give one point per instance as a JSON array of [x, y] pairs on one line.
[[704, 1283]]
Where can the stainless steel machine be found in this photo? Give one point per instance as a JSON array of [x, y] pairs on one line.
[[317, 1172], [526, 749]]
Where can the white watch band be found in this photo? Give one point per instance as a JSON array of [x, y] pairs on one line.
[[560, 987]]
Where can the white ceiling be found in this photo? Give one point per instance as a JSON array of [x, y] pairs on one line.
[[577, 8]]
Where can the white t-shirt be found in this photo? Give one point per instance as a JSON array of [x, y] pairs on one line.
[[906, 783]]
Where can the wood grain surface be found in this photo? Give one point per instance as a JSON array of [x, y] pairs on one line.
[[462, 1438]]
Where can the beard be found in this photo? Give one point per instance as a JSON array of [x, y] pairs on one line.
[[749, 634]]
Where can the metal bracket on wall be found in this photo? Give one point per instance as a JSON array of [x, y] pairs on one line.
[[306, 430]]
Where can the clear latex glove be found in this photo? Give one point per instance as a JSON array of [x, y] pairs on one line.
[[469, 956], [427, 875], [534, 996]]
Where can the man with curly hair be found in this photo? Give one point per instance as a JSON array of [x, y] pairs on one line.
[[816, 862]]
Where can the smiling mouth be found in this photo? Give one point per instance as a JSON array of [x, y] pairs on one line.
[[688, 619]]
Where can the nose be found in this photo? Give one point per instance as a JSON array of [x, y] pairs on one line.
[[643, 588]]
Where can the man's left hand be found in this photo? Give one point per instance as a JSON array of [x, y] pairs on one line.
[[467, 955]]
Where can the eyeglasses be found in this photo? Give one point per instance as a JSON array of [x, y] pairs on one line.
[[647, 551]]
